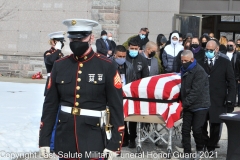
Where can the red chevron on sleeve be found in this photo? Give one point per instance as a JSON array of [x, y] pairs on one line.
[[117, 81]]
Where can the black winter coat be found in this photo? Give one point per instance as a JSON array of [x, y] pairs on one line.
[[140, 65], [195, 89], [236, 65], [222, 86], [199, 56], [142, 42], [130, 74]]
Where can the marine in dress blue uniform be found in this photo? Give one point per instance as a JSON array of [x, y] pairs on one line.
[[83, 83], [54, 53]]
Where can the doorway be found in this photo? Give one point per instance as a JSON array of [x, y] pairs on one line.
[[222, 25]]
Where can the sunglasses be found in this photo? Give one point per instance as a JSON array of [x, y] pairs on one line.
[[209, 50], [230, 45]]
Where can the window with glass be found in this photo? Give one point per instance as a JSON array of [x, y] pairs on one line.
[[230, 18]]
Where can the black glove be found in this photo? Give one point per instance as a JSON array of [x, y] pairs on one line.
[[230, 106]]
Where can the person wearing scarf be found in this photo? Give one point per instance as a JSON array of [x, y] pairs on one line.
[[188, 66], [195, 102], [197, 50]]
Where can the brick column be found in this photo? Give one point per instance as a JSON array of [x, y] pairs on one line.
[[106, 12]]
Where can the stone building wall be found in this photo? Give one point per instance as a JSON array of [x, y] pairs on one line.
[[107, 13], [21, 65], [156, 15], [24, 31]]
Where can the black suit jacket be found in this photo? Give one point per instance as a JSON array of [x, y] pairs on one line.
[[102, 48], [236, 64], [222, 86]]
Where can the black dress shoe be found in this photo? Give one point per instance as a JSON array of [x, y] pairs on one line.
[[132, 144], [125, 144]]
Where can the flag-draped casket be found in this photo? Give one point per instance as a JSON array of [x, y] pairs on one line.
[[156, 95]]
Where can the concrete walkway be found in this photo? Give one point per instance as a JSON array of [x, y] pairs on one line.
[[151, 150]]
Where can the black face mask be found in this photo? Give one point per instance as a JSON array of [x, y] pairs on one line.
[[204, 44], [152, 54], [186, 65], [194, 45], [79, 48], [238, 45], [229, 48]]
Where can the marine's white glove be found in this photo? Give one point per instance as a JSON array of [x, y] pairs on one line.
[[58, 45], [111, 154], [44, 152]]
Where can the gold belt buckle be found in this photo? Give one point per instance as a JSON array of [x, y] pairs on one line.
[[76, 111]]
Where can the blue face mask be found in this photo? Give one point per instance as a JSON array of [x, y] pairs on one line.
[[120, 61], [104, 37], [142, 36], [210, 54], [133, 53]]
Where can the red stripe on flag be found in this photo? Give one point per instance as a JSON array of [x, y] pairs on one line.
[[151, 90], [134, 93], [176, 96], [124, 95], [166, 75], [152, 108], [125, 109], [175, 116], [169, 86], [151, 87], [150, 94]]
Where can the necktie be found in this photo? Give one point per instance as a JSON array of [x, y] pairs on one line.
[[211, 64], [106, 43]]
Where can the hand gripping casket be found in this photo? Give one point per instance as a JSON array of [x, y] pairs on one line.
[[156, 95]]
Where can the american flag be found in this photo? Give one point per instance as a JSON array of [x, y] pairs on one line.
[[154, 95]]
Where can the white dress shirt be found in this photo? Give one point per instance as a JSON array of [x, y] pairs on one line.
[[213, 60], [230, 55]]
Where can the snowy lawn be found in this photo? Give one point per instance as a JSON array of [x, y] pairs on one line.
[[20, 112]]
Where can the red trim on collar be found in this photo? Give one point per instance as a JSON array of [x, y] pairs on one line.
[[63, 58], [100, 56]]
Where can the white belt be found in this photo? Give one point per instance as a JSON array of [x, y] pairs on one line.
[[49, 74], [83, 112]]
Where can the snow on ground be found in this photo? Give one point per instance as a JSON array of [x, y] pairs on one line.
[[20, 113]]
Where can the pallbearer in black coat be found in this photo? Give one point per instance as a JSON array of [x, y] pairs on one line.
[[222, 90], [83, 84], [53, 54]]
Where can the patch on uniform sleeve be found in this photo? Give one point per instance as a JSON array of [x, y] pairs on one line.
[[49, 83], [121, 128], [117, 81]]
